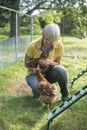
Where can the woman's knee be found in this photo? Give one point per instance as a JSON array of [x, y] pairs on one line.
[[61, 70], [32, 81]]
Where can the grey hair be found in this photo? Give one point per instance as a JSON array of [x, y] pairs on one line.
[[52, 31]]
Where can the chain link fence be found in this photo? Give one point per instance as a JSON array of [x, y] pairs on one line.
[[12, 49], [10, 53]]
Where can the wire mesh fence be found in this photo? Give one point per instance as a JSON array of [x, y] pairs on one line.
[[12, 49], [10, 52]]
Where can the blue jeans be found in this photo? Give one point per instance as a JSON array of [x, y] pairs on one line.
[[56, 74]]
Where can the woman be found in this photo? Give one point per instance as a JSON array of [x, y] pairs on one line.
[[53, 49]]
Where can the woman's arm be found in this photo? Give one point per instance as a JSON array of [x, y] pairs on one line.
[[29, 64], [27, 61], [58, 59]]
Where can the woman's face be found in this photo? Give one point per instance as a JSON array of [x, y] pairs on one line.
[[47, 43]]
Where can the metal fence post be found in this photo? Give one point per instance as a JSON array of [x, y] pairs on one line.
[[31, 28], [16, 40]]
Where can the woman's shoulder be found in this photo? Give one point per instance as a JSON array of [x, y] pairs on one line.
[[58, 44], [36, 42]]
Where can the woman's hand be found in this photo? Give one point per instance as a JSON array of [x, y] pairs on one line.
[[44, 62]]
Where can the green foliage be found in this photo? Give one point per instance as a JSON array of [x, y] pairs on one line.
[[71, 18], [79, 31], [4, 17], [73, 21], [46, 18], [3, 37], [36, 26], [57, 16], [10, 4]]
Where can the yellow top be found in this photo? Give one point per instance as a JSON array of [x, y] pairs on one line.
[[33, 50]]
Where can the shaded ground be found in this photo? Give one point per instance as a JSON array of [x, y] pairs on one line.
[[20, 88], [1, 128]]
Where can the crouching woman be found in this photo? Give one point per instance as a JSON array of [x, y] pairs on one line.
[[53, 49]]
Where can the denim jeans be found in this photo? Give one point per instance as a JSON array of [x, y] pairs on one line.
[[56, 74]]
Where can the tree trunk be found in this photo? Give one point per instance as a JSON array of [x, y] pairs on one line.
[[13, 19], [13, 24]]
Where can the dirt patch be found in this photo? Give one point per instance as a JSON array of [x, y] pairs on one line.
[[1, 128], [20, 88]]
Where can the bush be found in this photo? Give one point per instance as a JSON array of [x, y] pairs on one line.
[[79, 32]]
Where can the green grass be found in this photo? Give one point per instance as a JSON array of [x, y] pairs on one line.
[[3, 37], [18, 111]]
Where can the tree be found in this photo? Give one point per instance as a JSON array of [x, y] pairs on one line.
[[13, 5], [3, 17], [69, 12], [31, 6], [46, 18], [73, 20]]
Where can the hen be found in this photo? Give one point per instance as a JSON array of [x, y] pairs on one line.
[[34, 63], [48, 91]]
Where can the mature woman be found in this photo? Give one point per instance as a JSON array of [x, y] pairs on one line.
[[53, 49]]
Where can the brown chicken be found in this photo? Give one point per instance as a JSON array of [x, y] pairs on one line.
[[48, 91], [34, 63]]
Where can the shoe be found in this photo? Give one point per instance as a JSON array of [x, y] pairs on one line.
[[65, 98]]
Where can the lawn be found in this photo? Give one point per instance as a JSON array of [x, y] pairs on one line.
[[19, 111]]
